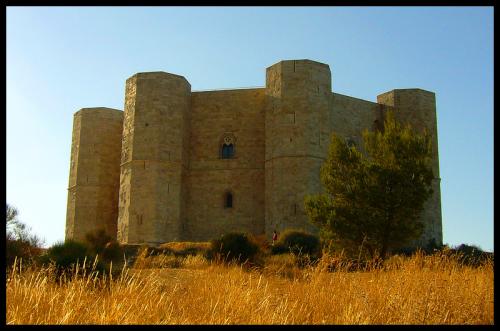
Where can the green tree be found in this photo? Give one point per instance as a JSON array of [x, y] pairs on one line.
[[374, 198]]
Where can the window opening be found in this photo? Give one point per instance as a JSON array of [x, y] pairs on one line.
[[228, 200], [227, 151], [227, 146]]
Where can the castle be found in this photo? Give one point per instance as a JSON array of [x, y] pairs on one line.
[[180, 165]]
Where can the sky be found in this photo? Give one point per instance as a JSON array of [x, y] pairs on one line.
[[62, 59]]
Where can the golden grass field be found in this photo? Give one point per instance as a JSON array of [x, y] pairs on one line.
[[417, 290]]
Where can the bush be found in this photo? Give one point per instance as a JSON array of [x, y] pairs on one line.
[[21, 249], [472, 255], [97, 240], [66, 255], [20, 243], [100, 243], [298, 243], [279, 248], [233, 246], [113, 251]]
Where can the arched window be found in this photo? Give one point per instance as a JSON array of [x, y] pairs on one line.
[[228, 200], [227, 151], [227, 146]]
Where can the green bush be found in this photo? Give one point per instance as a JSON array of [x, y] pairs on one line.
[[65, 256], [279, 248], [297, 242], [97, 240], [233, 246], [100, 243], [113, 251]]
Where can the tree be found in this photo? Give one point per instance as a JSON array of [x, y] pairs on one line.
[[14, 226], [19, 241], [374, 198]]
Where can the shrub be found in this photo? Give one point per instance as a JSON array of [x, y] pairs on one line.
[[472, 255], [279, 248], [20, 243], [113, 251], [65, 255], [97, 240], [21, 249], [297, 242], [233, 246], [100, 243]]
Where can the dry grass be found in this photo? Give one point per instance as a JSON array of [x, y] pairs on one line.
[[417, 290], [186, 245]]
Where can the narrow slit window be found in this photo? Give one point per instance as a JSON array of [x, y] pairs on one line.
[[228, 200]]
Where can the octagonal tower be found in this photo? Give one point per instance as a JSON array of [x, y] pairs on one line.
[[154, 158]]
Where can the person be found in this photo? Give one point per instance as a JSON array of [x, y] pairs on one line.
[[275, 237]]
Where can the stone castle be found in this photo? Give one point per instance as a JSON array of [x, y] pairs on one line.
[[180, 165]]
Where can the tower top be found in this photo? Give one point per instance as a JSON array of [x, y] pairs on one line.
[[300, 61]]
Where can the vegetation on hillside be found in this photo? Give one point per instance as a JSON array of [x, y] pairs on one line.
[[206, 283], [421, 289]]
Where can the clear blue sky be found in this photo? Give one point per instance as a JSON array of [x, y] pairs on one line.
[[61, 59]]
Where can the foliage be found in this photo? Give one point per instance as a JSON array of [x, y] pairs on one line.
[[297, 242], [100, 243], [12, 214], [472, 255], [21, 250], [20, 242], [96, 240], [373, 201], [233, 246], [113, 251], [66, 255]]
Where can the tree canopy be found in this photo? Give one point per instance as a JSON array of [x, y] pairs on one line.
[[373, 198]]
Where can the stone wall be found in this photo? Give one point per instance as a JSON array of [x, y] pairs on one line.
[[351, 116], [172, 180], [297, 130], [94, 172], [153, 158], [238, 114]]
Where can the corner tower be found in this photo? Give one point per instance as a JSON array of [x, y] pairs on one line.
[[94, 177], [154, 158], [298, 94], [418, 107]]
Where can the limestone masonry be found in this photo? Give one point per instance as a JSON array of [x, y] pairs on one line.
[[179, 165]]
